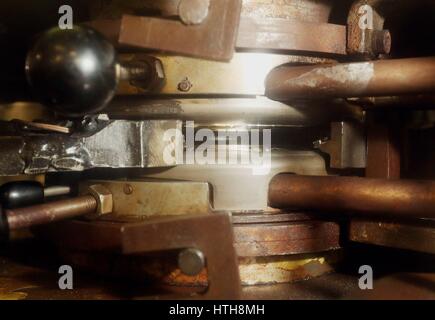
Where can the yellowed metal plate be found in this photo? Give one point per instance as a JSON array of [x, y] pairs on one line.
[[143, 199], [243, 75]]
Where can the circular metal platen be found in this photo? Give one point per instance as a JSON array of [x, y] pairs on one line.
[[73, 71]]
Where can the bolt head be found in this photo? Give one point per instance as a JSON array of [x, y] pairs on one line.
[[128, 189], [185, 85], [193, 11], [191, 261]]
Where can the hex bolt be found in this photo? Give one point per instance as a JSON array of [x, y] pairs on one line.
[[191, 261], [104, 199]]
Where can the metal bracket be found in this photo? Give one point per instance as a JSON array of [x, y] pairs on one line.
[[211, 234], [215, 38]]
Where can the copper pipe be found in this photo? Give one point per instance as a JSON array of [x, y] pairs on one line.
[[50, 212], [405, 198], [361, 79]]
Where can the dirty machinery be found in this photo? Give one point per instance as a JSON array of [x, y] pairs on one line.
[[222, 149]]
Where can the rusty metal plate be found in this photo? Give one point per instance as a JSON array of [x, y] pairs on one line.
[[214, 39], [272, 239], [419, 236], [162, 268], [302, 10], [292, 26], [272, 34], [277, 34], [160, 234], [27, 273]]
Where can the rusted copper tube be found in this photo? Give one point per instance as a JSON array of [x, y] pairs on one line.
[[361, 79], [50, 212], [404, 198]]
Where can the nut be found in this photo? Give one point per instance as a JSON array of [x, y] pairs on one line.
[[104, 198]]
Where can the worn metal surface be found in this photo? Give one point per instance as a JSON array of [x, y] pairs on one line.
[[234, 187], [158, 235], [291, 35], [418, 236], [143, 199], [284, 238], [121, 144], [189, 11], [384, 161], [302, 10], [396, 198], [259, 244], [231, 111], [285, 269], [50, 212], [378, 78], [271, 217], [347, 146], [164, 269], [214, 38], [383, 147], [243, 75], [273, 25], [268, 34], [29, 272]]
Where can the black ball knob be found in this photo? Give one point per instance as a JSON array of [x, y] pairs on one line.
[[73, 71], [21, 194]]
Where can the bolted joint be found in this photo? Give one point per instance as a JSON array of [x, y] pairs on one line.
[[381, 41], [146, 73], [104, 198], [191, 261]]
